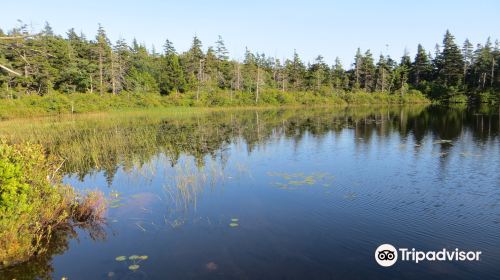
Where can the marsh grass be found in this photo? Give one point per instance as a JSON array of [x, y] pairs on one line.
[[190, 180], [57, 103], [104, 142]]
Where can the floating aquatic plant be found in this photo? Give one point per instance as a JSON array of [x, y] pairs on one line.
[[133, 257], [134, 267], [235, 220], [442, 141], [116, 205], [115, 202], [135, 260], [121, 258], [300, 179], [114, 194]]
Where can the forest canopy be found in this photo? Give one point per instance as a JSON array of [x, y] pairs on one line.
[[36, 64]]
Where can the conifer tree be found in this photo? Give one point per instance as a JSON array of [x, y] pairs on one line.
[[451, 64]]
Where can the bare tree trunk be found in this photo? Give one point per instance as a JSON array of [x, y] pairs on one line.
[[383, 79], [10, 70], [100, 73], [258, 82], [258, 124], [357, 74], [113, 81]]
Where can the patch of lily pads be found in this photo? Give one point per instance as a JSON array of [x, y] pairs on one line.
[[115, 200], [133, 261], [294, 180], [443, 141]]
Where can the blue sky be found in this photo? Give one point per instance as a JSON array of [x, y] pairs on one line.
[[330, 28]]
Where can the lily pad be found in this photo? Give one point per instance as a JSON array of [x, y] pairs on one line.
[[143, 257], [120, 258], [114, 194], [134, 267], [235, 220], [134, 257], [443, 141], [233, 225]]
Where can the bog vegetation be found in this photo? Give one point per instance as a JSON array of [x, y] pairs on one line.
[[37, 213], [34, 206], [47, 64]]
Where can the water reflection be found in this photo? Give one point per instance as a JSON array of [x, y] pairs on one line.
[[288, 177], [104, 143]]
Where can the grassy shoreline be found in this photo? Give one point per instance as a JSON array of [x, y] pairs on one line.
[[56, 103], [35, 206]]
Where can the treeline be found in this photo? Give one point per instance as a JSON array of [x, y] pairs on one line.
[[43, 62]]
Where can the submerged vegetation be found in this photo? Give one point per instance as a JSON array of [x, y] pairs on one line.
[[35, 206]]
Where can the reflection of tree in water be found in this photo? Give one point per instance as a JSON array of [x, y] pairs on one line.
[[92, 144], [40, 267]]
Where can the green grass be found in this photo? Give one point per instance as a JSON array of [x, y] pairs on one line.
[[99, 141], [57, 103]]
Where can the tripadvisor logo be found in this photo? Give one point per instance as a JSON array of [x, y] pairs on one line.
[[387, 255]]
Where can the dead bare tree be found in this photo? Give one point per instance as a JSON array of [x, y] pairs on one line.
[[23, 56], [10, 70]]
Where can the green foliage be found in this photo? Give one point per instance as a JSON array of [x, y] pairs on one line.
[[52, 63], [33, 204], [14, 190], [56, 103], [30, 206], [458, 98], [488, 97], [449, 62]]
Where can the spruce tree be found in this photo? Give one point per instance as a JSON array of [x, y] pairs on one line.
[[451, 64], [421, 68], [171, 77], [367, 71]]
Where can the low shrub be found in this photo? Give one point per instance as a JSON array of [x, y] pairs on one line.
[[34, 204]]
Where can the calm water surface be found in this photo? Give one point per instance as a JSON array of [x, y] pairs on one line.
[[281, 194]]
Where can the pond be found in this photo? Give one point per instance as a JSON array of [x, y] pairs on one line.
[[276, 194]]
